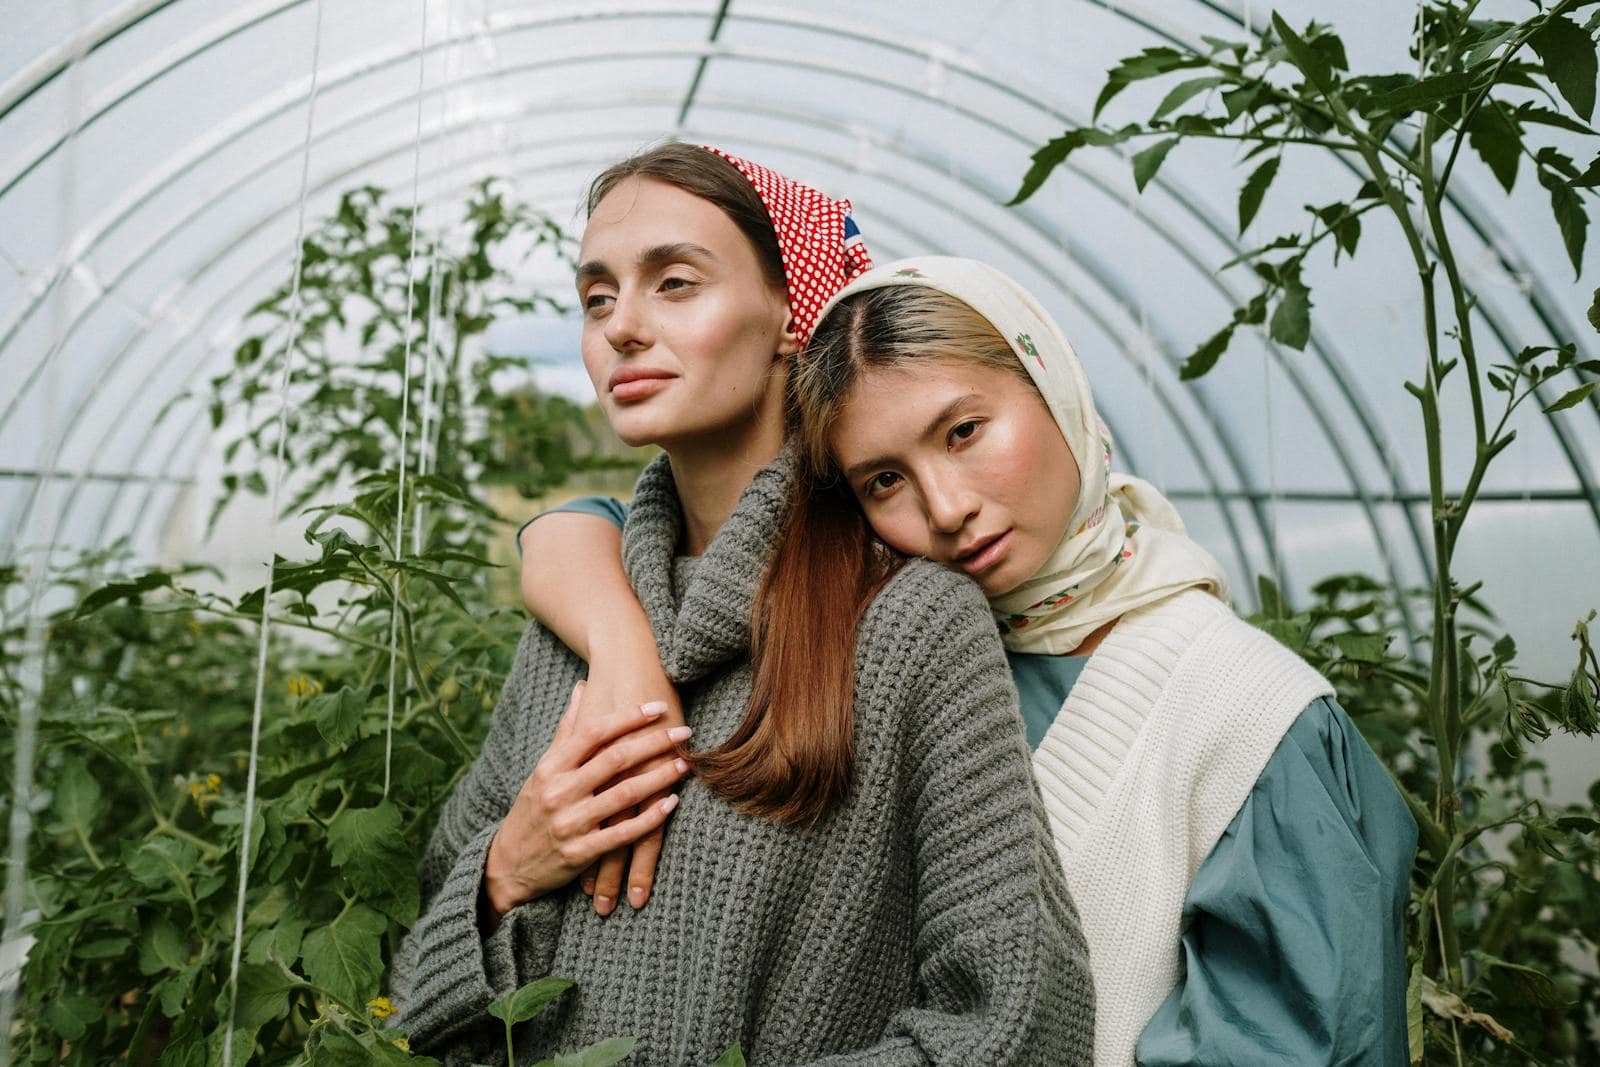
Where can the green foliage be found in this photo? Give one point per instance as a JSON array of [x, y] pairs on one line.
[[1506, 899], [149, 680], [1526, 872]]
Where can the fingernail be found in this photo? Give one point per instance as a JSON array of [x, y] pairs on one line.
[[679, 733], [588, 887], [602, 905], [653, 708], [682, 766], [669, 803], [636, 896]]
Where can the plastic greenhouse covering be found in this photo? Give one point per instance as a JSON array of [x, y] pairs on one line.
[[152, 156]]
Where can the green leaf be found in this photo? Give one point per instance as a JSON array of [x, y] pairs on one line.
[[1291, 319], [1498, 142], [1055, 152], [1202, 359], [1589, 178], [1182, 93], [1414, 1012], [1594, 311], [1362, 647], [161, 947], [1569, 62], [1572, 398], [733, 1057], [1310, 61], [369, 848], [115, 591], [337, 714], [1255, 187], [1578, 711], [1424, 95], [70, 1016], [530, 1000], [1522, 984], [1543, 116], [1573, 220], [344, 958], [601, 1054], [1151, 63], [76, 795], [263, 995], [1148, 161]]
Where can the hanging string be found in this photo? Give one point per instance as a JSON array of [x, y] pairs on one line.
[[424, 451], [1273, 559], [291, 341], [14, 940], [425, 443], [405, 408]]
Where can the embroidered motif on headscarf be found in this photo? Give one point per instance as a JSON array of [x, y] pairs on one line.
[[1124, 545], [822, 248]]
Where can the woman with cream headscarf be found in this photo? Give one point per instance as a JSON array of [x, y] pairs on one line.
[[1238, 857]]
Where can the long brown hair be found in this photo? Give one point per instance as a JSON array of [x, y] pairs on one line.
[[791, 757]]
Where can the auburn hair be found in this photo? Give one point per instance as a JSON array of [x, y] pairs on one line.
[[791, 758]]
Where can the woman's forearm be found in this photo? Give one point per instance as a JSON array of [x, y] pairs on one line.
[[573, 583]]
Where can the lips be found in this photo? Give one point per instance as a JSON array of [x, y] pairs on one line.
[[636, 383], [982, 554]]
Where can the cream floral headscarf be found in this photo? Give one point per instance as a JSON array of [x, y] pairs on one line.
[[1124, 546]]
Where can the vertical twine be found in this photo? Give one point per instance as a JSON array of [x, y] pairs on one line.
[[13, 937], [405, 408], [291, 340]]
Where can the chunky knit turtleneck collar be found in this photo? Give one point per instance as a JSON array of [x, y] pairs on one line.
[[700, 607]]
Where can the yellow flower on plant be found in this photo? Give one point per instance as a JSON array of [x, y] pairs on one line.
[[402, 1044], [214, 783], [380, 1007], [301, 686], [197, 790]]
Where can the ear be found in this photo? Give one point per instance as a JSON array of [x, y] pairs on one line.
[[789, 342]]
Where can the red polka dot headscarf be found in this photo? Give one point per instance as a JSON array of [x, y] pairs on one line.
[[821, 247]]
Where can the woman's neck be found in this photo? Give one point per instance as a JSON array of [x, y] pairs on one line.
[[710, 475]]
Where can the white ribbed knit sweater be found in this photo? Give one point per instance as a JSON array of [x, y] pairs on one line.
[[1161, 740]]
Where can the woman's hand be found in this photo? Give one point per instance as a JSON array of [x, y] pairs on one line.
[[595, 768], [627, 676]]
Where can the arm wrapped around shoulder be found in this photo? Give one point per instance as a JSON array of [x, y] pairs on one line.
[[449, 970], [1002, 964]]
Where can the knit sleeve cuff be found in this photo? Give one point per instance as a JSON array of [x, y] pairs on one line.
[[458, 971]]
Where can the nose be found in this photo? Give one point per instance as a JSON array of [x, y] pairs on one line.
[[626, 328], [949, 501]]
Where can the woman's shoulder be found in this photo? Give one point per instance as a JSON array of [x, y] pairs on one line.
[[931, 619], [923, 590]]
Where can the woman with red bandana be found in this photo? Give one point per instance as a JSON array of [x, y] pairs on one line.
[[859, 869]]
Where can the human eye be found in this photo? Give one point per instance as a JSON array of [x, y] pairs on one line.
[[963, 431], [881, 484], [596, 300], [674, 283]]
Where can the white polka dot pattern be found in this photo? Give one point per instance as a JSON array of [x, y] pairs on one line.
[[820, 246]]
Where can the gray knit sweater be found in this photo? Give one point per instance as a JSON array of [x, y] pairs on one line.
[[924, 920]]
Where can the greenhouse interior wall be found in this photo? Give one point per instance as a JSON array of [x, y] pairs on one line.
[[159, 158]]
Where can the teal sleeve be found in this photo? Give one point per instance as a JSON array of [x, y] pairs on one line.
[[1294, 948], [603, 507]]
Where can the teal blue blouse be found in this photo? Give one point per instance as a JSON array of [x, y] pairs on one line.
[[1293, 945]]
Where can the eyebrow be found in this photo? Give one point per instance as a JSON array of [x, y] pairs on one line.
[[649, 259], [943, 415]]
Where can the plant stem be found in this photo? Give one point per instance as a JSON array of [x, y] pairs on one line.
[[1494, 79], [88, 849]]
